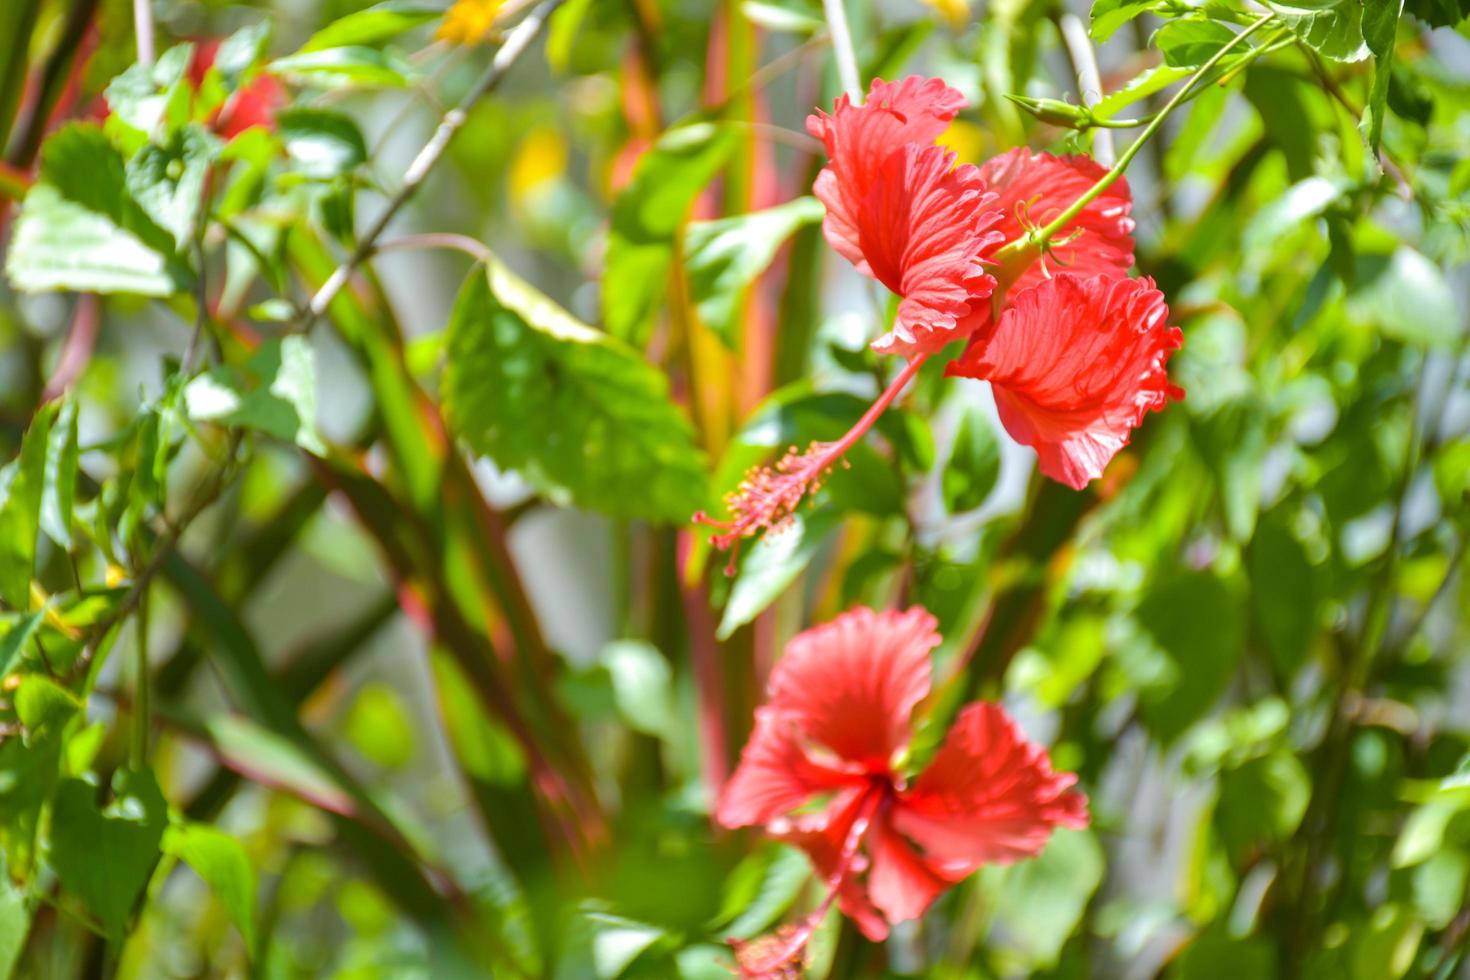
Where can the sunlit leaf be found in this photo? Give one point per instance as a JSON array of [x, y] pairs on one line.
[[222, 862], [1333, 28], [374, 25]]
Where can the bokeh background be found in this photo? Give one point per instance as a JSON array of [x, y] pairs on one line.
[[1248, 639]]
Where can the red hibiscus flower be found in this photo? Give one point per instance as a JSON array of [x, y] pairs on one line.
[[901, 211], [255, 104], [1033, 188], [835, 728], [1076, 362]]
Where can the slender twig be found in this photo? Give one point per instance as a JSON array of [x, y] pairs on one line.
[[143, 30], [842, 49], [516, 44], [1089, 81], [1033, 242]]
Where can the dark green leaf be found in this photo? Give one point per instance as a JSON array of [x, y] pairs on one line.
[[22, 485], [1216, 956], [1284, 595], [15, 925], [578, 413], [646, 217], [19, 631], [724, 257], [1380, 27], [378, 23], [106, 856], [1198, 662], [222, 862], [974, 464], [1262, 801]]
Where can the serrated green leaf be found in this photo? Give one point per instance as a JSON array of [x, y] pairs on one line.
[[221, 861], [81, 229], [724, 257], [1333, 28], [645, 219], [378, 23], [578, 413]]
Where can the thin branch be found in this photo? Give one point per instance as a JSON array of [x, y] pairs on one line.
[[516, 43], [143, 30], [1089, 81], [842, 49]]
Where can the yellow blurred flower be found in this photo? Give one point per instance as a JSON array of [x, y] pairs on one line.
[[468, 21], [542, 157], [957, 12]]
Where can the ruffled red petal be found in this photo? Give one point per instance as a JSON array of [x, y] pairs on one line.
[[852, 683], [1038, 187], [901, 211], [901, 883], [824, 836], [776, 775], [989, 796], [1076, 363]]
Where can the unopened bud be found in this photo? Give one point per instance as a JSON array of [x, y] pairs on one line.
[[1055, 112]]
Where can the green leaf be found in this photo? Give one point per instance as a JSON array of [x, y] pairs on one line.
[[17, 634], [1439, 13], [106, 856], [578, 413], [602, 946], [724, 257], [1440, 886], [323, 144], [760, 890], [15, 924], [1198, 663], [974, 464], [779, 18], [642, 684], [1042, 900], [1380, 28], [1386, 948], [169, 182], [1190, 43], [22, 485], [1333, 28], [1216, 956], [44, 707], [1302, 202], [242, 51], [275, 394], [63, 456], [1406, 296], [379, 728], [646, 218], [81, 229], [1262, 801], [1139, 87], [221, 861], [378, 23], [1284, 595], [152, 102], [344, 67], [1109, 15], [774, 563]]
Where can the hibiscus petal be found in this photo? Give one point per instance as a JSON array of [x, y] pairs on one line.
[[901, 884], [775, 775], [901, 211], [1076, 363], [852, 683], [823, 837], [1040, 186], [989, 796]]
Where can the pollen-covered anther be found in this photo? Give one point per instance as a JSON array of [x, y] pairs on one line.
[[779, 956], [768, 496]]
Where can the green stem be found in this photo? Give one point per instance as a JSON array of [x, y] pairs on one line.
[[142, 698], [1034, 241], [842, 49]]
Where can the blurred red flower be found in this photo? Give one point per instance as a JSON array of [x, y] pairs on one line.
[[1076, 362], [255, 104], [835, 727], [901, 211]]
